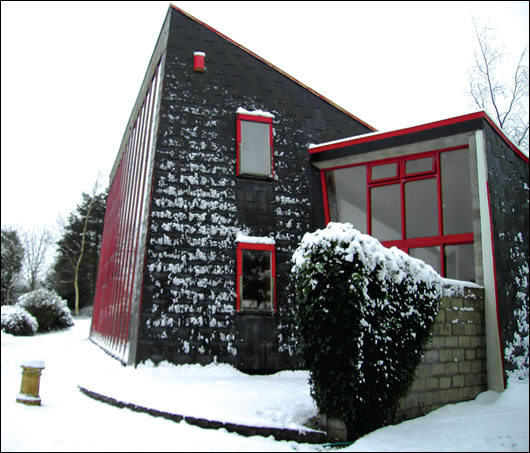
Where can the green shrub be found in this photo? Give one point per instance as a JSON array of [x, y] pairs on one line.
[[51, 311], [363, 315], [17, 321]]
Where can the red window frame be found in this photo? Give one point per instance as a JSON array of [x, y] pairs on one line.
[[440, 240], [239, 253], [257, 119]]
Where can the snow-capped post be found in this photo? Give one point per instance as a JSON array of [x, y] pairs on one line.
[[29, 388]]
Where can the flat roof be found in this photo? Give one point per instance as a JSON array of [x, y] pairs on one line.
[[376, 136]]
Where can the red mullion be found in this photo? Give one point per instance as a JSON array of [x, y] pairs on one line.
[[118, 232], [104, 262], [324, 186], [145, 157], [271, 142], [440, 213], [99, 298], [115, 237], [116, 273], [111, 270], [123, 236], [368, 203], [116, 202], [238, 145], [122, 299], [134, 221]]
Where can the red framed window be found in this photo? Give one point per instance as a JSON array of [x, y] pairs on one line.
[[419, 203], [254, 146], [256, 277]]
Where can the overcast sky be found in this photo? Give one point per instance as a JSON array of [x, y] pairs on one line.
[[71, 72]]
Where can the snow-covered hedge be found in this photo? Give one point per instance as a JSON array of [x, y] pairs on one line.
[[363, 314], [17, 321], [51, 311]]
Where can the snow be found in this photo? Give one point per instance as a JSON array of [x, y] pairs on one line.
[[241, 237], [68, 420], [243, 111], [32, 363]]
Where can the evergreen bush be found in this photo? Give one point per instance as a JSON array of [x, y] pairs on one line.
[[363, 316], [17, 321], [50, 310]]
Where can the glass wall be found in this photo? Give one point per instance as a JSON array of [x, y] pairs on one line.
[[420, 203]]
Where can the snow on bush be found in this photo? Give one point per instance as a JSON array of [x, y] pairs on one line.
[[51, 311], [363, 314], [17, 321]]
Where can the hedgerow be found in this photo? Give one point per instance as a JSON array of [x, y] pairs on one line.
[[363, 316], [17, 321], [48, 308]]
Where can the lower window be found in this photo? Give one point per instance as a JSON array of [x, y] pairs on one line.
[[256, 277]]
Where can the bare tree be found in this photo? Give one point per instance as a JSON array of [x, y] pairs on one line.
[[36, 244], [503, 97]]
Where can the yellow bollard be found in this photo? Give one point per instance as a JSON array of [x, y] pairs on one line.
[[29, 388]]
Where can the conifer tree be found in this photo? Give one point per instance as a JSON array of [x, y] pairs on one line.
[[75, 269]]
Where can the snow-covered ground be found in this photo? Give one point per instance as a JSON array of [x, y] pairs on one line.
[[70, 421]]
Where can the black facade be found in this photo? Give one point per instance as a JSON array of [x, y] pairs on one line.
[[185, 310], [508, 182]]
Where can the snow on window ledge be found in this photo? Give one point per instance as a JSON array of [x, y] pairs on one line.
[[243, 111], [254, 239]]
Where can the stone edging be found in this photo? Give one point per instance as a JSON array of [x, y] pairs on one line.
[[310, 436]]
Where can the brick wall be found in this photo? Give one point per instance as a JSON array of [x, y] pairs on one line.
[[453, 368]]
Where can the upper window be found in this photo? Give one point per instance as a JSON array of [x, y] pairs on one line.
[[254, 145], [256, 277], [420, 203]]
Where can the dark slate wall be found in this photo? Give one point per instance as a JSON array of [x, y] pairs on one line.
[[508, 192], [199, 205]]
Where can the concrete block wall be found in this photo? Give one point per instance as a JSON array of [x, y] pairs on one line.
[[453, 368]]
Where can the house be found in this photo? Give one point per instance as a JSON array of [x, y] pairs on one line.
[[209, 196], [217, 179], [453, 193]]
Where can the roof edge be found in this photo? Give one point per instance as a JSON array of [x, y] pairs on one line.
[[372, 137], [338, 107]]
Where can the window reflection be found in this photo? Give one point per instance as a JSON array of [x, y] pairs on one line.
[[421, 208], [256, 289], [460, 262], [429, 255], [386, 212], [456, 192], [255, 153], [347, 196]]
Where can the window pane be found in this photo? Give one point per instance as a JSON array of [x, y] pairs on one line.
[[429, 255], [421, 206], [386, 212], [347, 196], [256, 290], [255, 153], [456, 192], [460, 262], [418, 165], [384, 171]]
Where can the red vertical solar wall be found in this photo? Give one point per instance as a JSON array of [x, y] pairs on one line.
[[122, 248]]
